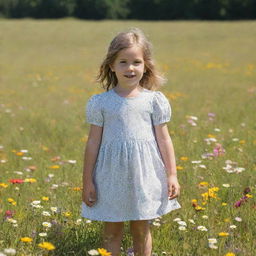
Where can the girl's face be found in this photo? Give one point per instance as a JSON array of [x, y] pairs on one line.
[[129, 66]]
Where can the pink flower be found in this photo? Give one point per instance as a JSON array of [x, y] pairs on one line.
[[9, 214], [218, 150]]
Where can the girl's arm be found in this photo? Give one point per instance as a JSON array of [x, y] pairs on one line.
[[91, 153], [165, 145]]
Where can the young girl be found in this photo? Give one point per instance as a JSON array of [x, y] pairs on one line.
[[129, 163]]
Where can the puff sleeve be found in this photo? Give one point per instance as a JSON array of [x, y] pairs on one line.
[[93, 111], [161, 109]]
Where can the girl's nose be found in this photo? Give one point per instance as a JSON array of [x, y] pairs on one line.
[[130, 67]]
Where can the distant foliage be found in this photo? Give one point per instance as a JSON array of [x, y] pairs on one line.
[[130, 9]]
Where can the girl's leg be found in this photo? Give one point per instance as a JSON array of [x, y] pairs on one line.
[[112, 237], [142, 239]]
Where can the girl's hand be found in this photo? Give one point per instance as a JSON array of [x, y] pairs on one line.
[[89, 195], [173, 187]]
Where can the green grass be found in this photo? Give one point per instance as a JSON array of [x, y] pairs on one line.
[[47, 74]]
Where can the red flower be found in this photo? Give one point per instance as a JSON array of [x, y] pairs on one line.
[[9, 214], [19, 181]]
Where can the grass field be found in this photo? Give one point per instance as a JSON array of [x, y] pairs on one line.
[[47, 72]]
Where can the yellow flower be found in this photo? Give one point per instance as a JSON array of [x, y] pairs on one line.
[[46, 245], [10, 200], [211, 136], [223, 234], [242, 141], [76, 189], [55, 166], [3, 185], [31, 180], [203, 183], [224, 204], [227, 220], [67, 214], [26, 239], [45, 198], [179, 167], [19, 153], [230, 254], [184, 158], [199, 208], [103, 252], [194, 201], [249, 196]]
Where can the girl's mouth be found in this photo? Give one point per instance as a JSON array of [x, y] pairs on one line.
[[129, 76]]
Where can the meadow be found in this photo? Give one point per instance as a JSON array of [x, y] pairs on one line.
[[47, 74]]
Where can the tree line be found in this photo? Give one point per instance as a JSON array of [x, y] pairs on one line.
[[130, 9]]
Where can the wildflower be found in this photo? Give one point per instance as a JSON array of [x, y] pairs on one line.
[[46, 245], [72, 161], [103, 252], [12, 201], [230, 254], [226, 185], [46, 213], [18, 181], [192, 221], [26, 158], [232, 226], [203, 184], [223, 234], [182, 223], [182, 228], [19, 153], [212, 240], [205, 217], [238, 219], [45, 198], [218, 150], [31, 180], [199, 208], [67, 214], [184, 158], [3, 185], [54, 209], [26, 239], [11, 220], [212, 246], [77, 189], [47, 224], [202, 228], [93, 252], [42, 234], [177, 219], [78, 221], [10, 251], [54, 167]]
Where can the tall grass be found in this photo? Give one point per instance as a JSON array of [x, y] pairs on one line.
[[47, 74]]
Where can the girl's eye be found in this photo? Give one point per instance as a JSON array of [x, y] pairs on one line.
[[122, 61], [137, 61]]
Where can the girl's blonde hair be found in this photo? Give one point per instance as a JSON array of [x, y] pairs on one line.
[[123, 40]]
